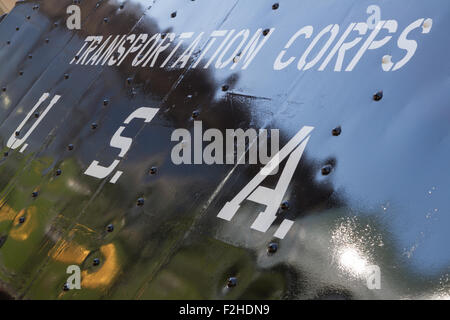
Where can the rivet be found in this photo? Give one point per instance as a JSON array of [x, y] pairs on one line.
[[8, 42], [77, 57], [378, 96], [232, 282], [173, 14], [121, 6], [17, 28], [66, 76], [140, 202], [163, 35], [58, 172], [66, 287], [272, 247], [195, 114], [17, 133], [129, 81], [70, 147], [94, 126], [28, 17], [37, 114], [105, 20], [55, 24], [20, 73], [275, 6], [47, 40], [153, 170], [266, 32], [21, 219], [284, 205], [336, 131], [225, 87], [96, 262], [326, 170], [4, 89], [30, 56], [110, 228], [105, 102], [35, 7], [34, 194]]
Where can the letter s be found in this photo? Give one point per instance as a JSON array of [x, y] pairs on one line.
[[410, 45]]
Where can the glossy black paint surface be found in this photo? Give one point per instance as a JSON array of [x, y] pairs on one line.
[[382, 199]]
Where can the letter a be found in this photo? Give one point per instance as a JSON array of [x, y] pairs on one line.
[[271, 198]]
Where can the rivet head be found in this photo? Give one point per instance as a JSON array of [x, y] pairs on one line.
[[17, 28], [326, 170], [336, 131], [121, 6], [20, 73], [17, 133], [275, 6], [225, 87], [70, 147], [4, 89], [28, 17], [153, 170], [129, 81], [195, 114], [66, 287], [232, 282], [96, 262], [21, 219], [140, 202], [272, 247], [105, 102], [8, 42], [266, 32], [378, 96], [105, 20], [77, 57], [284, 205], [37, 114], [55, 24], [58, 172], [66, 76], [94, 126], [30, 56], [110, 228], [34, 194], [47, 40], [173, 14]]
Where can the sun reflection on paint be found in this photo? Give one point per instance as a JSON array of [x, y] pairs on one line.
[[352, 261], [353, 247]]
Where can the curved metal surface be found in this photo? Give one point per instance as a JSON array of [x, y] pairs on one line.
[[384, 201]]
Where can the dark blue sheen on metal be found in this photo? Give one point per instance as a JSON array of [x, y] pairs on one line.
[[368, 198]]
